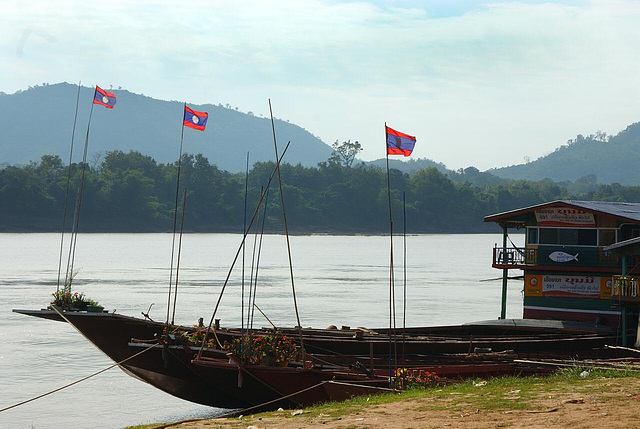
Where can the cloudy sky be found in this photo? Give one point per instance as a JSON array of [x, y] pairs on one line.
[[479, 83]]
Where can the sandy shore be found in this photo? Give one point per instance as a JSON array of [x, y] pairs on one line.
[[590, 403]]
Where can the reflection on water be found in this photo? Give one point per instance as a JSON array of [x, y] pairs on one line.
[[340, 280]]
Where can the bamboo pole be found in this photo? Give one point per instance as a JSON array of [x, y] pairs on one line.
[[66, 192], [286, 231], [175, 217]]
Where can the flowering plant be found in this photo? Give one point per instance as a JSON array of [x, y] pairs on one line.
[[64, 299], [195, 338], [411, 379], [264, 350]]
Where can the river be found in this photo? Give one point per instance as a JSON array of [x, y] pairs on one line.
[[339, 280]]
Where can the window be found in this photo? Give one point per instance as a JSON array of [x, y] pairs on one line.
[[606, 237], [569, 236], [548, 236], [532, 236]]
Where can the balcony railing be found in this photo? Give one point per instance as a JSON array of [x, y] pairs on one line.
[[626, 288], [509, 256], [553, 256]]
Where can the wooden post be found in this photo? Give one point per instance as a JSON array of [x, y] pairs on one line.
[[505, 274], [623, 309]]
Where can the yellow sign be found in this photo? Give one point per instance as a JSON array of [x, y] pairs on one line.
[[533, 285]]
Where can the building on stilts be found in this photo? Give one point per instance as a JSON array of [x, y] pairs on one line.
[[580, 260]]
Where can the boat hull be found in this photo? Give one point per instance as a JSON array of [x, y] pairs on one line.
[[216, 381]]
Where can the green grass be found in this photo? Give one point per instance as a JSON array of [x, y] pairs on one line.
[[500, 393]]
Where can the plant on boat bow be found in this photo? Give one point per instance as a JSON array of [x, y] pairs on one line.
[[270, 350], [66, 300]]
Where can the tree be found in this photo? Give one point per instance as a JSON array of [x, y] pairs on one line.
[[344, 153]]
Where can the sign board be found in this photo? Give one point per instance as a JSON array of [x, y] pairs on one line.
[[567, 286], [564, 216]]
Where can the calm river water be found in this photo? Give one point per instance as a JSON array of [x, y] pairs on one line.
[[340, 280]]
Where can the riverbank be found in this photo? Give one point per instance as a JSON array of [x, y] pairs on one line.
[[577, 398]]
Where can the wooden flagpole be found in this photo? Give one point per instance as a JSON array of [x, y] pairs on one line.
[[175, 293], [391, 282], [175, 216], [76, 217], [404, 276]]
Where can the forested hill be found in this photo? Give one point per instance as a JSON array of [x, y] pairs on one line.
[[131, 192], [39, 121], [610, 158], [409, 165]]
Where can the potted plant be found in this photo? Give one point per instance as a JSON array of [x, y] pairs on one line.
[[68, 301]]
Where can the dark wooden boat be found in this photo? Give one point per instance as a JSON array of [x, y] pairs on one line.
[[340, 363]]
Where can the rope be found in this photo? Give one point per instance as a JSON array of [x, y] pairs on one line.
[[77, 381], [236, 412]]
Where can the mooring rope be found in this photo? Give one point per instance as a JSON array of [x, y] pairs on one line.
[[77, 381], [236, 412]]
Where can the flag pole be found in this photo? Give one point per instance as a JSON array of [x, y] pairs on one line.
[[175, 293], [404, 276], [391, 288], [175, 218], [66, 192], [76, 217]]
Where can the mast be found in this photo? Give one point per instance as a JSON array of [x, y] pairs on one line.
[[255, 281], [235, 258], [244, 230], [286, 231], [66, 191]]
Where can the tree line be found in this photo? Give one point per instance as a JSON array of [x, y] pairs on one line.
[[131, 192]]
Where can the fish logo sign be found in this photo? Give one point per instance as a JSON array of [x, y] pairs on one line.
[[563, 257]]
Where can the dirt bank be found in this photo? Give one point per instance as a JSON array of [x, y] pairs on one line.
[[506, 403]]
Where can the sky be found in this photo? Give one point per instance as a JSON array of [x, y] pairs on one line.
[[483, 84]]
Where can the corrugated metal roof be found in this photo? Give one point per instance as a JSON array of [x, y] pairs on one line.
[[625, 243], [630, 211], [626, 210]]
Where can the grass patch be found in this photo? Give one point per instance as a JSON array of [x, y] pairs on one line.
[[499, 393]]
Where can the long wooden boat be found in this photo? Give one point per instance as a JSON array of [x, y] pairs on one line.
[[341, 363]]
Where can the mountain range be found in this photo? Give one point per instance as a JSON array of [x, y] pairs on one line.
[[611, 159], [39, 121]]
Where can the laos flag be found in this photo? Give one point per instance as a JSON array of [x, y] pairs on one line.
[[106, 98], [399, 143], [194, 119]]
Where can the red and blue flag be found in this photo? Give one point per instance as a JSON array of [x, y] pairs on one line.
[[194, 119], [105, 98], [399, 143]]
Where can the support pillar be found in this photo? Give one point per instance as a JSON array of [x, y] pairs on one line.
[[505, 274], [623, 310]]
